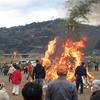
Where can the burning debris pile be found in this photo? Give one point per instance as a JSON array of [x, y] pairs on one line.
[[71, 55]]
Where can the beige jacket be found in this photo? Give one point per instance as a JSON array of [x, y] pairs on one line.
[[3, 94], [11, 70]]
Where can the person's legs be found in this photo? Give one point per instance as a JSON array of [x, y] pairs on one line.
[[9, 77], [97, 68], [28, 76], [77, 85], [0, 72], [13, 91], [24, 71], [16, 89], [41, 81], [81, 89], [3, 72], [37, 81]]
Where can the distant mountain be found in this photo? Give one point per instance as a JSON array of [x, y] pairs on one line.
[[34, 37]]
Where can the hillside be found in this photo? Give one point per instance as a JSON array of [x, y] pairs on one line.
[[34, 37]]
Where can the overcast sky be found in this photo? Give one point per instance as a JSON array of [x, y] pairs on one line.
[[21, 12]]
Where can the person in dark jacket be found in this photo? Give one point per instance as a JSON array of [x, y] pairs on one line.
[[96, 65], [95, 90], [39, 73], [80, 73]]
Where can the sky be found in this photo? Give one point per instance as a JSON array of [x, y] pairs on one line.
[[21, 12]]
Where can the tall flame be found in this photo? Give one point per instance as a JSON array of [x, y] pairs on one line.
[[71, 56], [50, 51]]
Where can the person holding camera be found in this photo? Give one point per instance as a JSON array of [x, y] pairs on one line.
[[3, 92]]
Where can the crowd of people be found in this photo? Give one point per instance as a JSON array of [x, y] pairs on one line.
[[92, 65], [59, 89]]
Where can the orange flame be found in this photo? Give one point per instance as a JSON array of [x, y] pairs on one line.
[[50, 51], [71, 56]]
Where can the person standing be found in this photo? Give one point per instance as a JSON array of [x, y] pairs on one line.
[[89, 65], [1, 69], [16, 79], [61, 89], [10, 71], [30, 69], [20, 66], [6, 68], [25, 67], [39, 73], [80, 73], [96, 65]]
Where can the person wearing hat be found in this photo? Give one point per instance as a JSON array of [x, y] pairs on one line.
[[61, 89], [80, 73]]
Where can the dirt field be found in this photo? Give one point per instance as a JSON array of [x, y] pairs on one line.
[[9, 86]]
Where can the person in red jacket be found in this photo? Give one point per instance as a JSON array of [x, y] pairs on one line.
[[16, 79]]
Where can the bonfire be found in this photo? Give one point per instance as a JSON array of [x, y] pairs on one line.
[[71, 55]]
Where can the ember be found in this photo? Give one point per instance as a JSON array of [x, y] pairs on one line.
[[71, 56]]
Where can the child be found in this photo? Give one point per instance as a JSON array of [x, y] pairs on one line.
[[16, 79]]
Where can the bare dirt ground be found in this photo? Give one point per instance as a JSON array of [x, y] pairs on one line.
[[9, 86]]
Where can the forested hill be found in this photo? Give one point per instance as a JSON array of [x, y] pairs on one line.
[[35, 36]]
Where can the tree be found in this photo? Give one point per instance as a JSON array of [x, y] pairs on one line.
[[77, 14], [81, 11], [2, 52]]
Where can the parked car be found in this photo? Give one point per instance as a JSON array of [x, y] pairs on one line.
[[33, 63], [23, 62]]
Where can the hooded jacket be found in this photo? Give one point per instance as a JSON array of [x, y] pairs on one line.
[[38, 72]]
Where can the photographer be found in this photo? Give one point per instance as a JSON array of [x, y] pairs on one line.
[[3, 92]]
